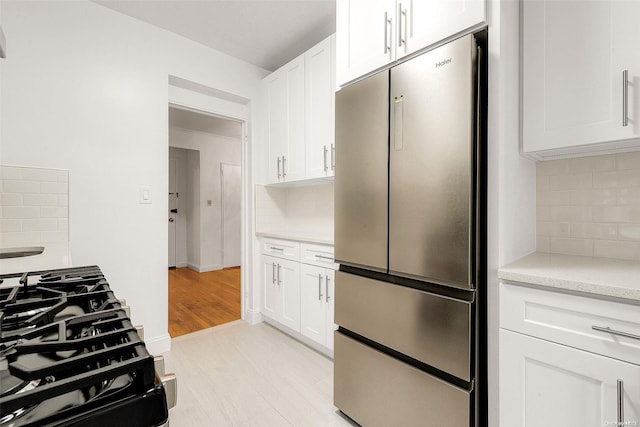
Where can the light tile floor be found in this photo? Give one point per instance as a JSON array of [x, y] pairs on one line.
[[239, 374]]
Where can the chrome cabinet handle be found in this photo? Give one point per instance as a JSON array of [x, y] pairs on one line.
[[327, 258], [279, 168], [325, 159], [284, 169], [620, 403], [333, 157], [387, 31], [326, 284], [614, 332], [273, 274], [402, 14], [275, 248], [279, 278], [319, 287], [625, 98]]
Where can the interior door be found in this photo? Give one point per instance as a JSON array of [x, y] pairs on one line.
[[231, 215], [173, 210]]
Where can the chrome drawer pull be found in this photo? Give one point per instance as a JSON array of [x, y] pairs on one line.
[[625, 98], [326, 258], [273, 248], [614, 332]]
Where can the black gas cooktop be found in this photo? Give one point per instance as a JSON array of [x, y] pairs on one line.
[[70, 356]]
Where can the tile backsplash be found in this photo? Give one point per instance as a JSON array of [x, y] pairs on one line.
[[590, 206], [303, 212], [34, 207]]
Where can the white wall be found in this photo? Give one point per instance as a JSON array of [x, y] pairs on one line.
[[86, 89], [511, 180], [214, 150]]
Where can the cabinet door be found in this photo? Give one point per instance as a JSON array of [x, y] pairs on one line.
[[270, 287], [313, 302], [423, 23], [329, 297], [544, 384], [293, 161], [573, 63], [320, 109], [364, 37], [289, 273], [276, 122]]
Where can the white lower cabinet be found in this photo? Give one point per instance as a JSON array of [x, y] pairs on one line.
[[297, 290], [316, 303], [546, 384], [567, 359], [281, 291]]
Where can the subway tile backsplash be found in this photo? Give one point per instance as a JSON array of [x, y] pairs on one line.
[[34, 206], [590, 206]]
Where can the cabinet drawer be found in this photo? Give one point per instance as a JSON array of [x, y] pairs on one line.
[[281, 248], [320, 255], [570, 320]]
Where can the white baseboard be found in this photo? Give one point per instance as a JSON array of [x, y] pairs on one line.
[[205, 268], [158, 345], [299, 337], [252, 316], [181, 264]]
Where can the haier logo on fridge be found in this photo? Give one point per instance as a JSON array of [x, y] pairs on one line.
[[443, 62]]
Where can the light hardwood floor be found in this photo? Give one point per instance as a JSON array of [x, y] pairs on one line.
[[202, 300], [245, 375]]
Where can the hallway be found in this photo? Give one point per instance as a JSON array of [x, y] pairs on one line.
[[202, 300]]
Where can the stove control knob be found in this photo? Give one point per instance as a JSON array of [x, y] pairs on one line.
[[170, 384], [140, 331], [158, 362]]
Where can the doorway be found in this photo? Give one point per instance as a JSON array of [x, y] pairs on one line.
[[205, 218]]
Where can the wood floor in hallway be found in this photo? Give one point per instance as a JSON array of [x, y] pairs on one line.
[[202, 300]]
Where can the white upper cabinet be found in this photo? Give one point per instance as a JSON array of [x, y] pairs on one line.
[[320, 109], [364, 37], [580, 74], [293, 154], [300, 117], [374, 34]]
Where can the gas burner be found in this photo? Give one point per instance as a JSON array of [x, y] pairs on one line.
[[69, 354]]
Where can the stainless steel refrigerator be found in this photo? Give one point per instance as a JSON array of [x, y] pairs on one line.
[[410, 237]]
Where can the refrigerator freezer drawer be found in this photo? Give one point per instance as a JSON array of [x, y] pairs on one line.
[[433, 329], [377, 390]]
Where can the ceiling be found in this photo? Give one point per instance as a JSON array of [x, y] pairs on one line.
[[191, 120], [266, 33]]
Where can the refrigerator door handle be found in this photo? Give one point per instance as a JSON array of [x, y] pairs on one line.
[[398, 114]]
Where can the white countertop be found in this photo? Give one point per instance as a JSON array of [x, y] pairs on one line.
[[599, 276], [300, 237]]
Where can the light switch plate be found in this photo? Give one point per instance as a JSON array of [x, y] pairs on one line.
[[146, 196]]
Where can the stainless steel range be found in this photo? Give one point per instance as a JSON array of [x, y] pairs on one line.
[[70, 356]]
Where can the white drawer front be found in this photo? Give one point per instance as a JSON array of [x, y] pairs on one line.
[[320, 255], [281, 248], [570, 320]]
